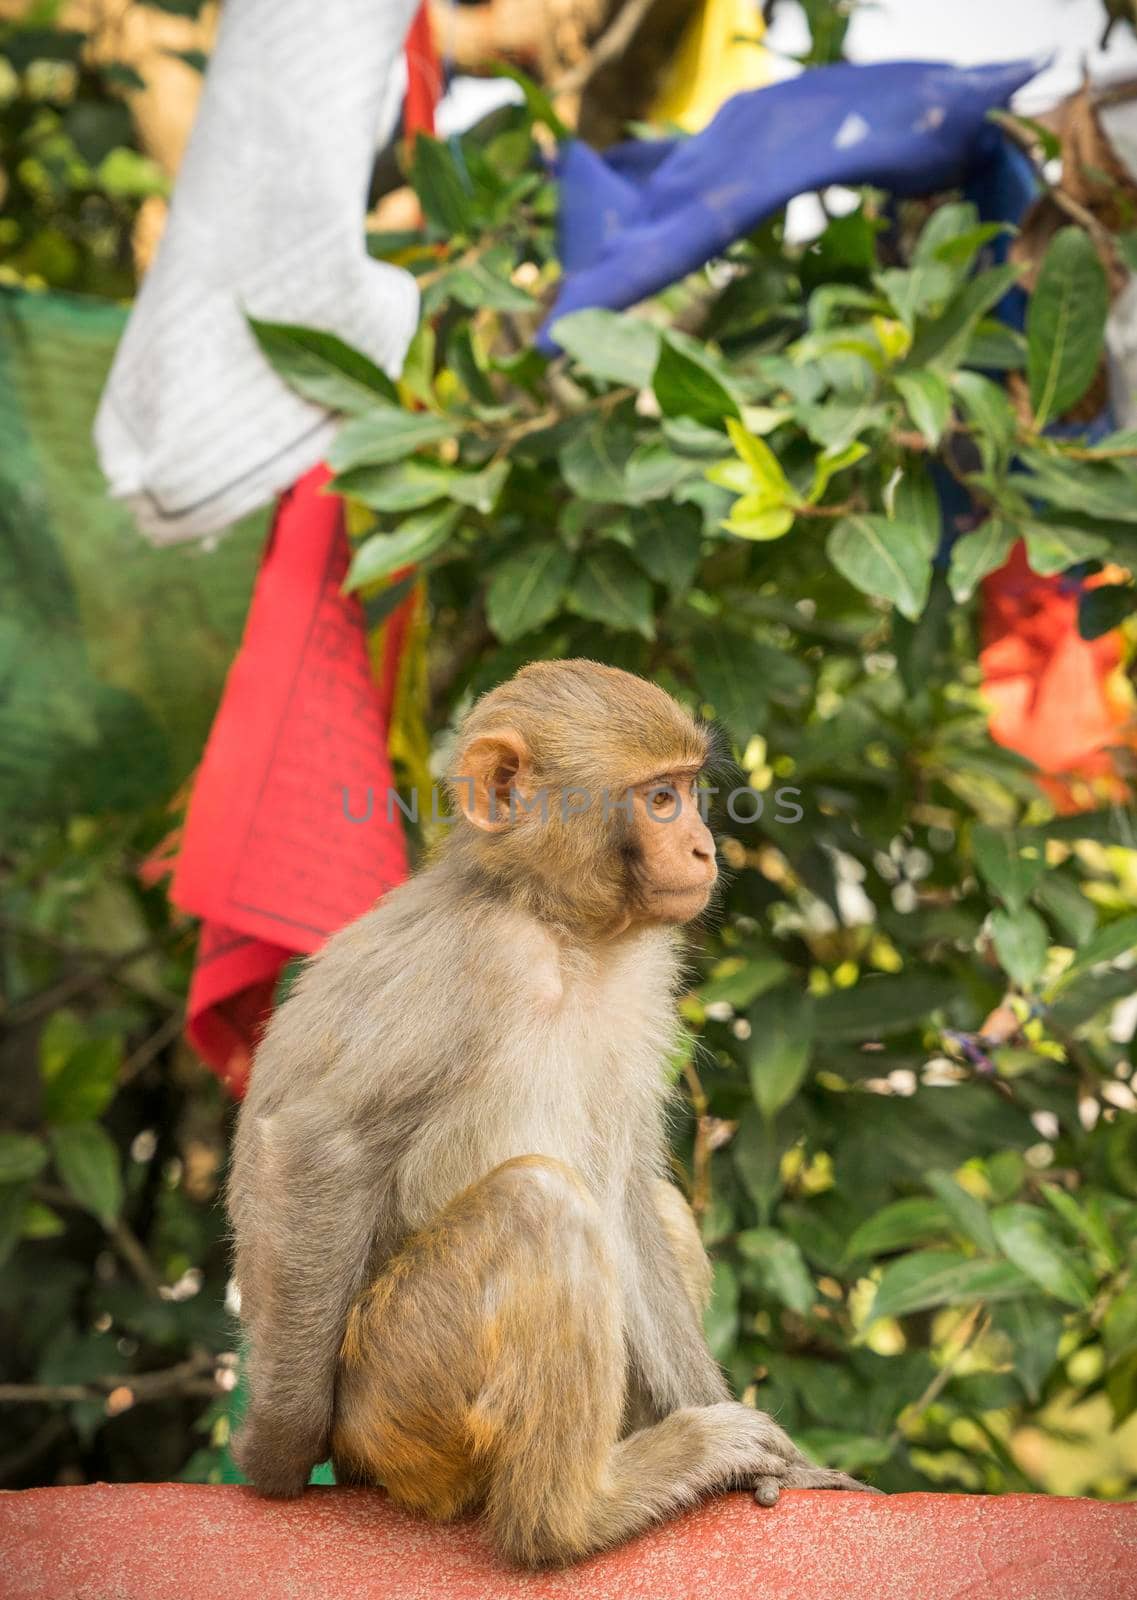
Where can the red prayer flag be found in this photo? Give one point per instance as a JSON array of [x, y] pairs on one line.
[[270, 858]]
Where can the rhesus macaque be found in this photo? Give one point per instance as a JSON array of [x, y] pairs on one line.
[[463, 1269]]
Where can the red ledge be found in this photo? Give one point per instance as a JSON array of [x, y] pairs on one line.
[[172, 1541]]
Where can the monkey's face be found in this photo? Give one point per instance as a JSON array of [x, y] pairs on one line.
[[579, 782], [673, 851]]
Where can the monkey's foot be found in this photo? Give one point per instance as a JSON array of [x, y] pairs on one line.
[[801, 1475]]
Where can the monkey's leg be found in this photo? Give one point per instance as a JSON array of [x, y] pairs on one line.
[[487, 1364], [489, 1347]]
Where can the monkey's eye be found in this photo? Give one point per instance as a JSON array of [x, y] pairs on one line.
[[662, 799]]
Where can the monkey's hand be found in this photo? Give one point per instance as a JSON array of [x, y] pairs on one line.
[[276, 1461], [804, 1475], [793, 1470], [767, 1460]]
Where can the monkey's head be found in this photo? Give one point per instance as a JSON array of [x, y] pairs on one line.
[[576, 784]]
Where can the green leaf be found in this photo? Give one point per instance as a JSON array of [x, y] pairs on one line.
[[960, 252], [878, 1006], [85, 1085], [916, 291], [1021, 944], [322, 368], [608, 588], [687, 386], [896, 1226], [479, 284], [1119, 1325], [668, 543], [88, 1164], [967, 1214], [1102, 609], [443, 191], [752, 518], [976, 555], [739, 980], [417, 537], [1052, 549], [41, 1222], [1062, 898], [1106, 490], [928, 399], [411, 484], [942, 342], [993, 347], [830, 463], [13, 1210], [1025, 1238], [882, 558], [404, 486], [928, 1278], [990, 413], [757, 1159], [610, 345], [378, 605], [1033, 1328], [654, 472], [847, 1452], [780, 1044], [538, 103], [385, 434], [1115, 939], [733, 672], [1066, 325], [1087, 1221], [946, 224], [916, 505], [527, 589], [478, 490], [595, 460], [21, 1157], [1008, 870], [780, 1267]]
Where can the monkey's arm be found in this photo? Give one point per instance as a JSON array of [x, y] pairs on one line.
[[304, 1202], [669, 1352]]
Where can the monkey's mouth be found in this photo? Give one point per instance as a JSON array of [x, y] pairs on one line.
[[685, 891]]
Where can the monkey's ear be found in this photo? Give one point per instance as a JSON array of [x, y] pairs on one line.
[[492, 766]]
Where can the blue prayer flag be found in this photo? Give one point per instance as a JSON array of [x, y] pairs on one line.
[[644, 214]]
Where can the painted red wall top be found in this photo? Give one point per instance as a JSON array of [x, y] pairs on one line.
[[200, 1542]]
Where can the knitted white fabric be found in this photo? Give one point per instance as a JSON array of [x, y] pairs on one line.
[[195, 428]]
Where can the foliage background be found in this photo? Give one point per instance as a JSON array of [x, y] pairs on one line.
[[908, 1124]]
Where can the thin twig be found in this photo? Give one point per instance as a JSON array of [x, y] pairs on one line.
[[48, 1434], [193, 1376], [1065, 202], [848, 508], [141, 1058], [108, 968], [124, 1239], [977, 1324], [610, 46]]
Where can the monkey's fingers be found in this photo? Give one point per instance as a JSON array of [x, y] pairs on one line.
[[807, 1477], [804, 1476]]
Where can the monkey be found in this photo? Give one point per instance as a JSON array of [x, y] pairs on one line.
[[464, 1270]]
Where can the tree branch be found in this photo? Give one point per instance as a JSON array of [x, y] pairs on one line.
[[191, 1377]]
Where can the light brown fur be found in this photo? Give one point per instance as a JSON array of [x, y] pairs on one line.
[[462, 1266]]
